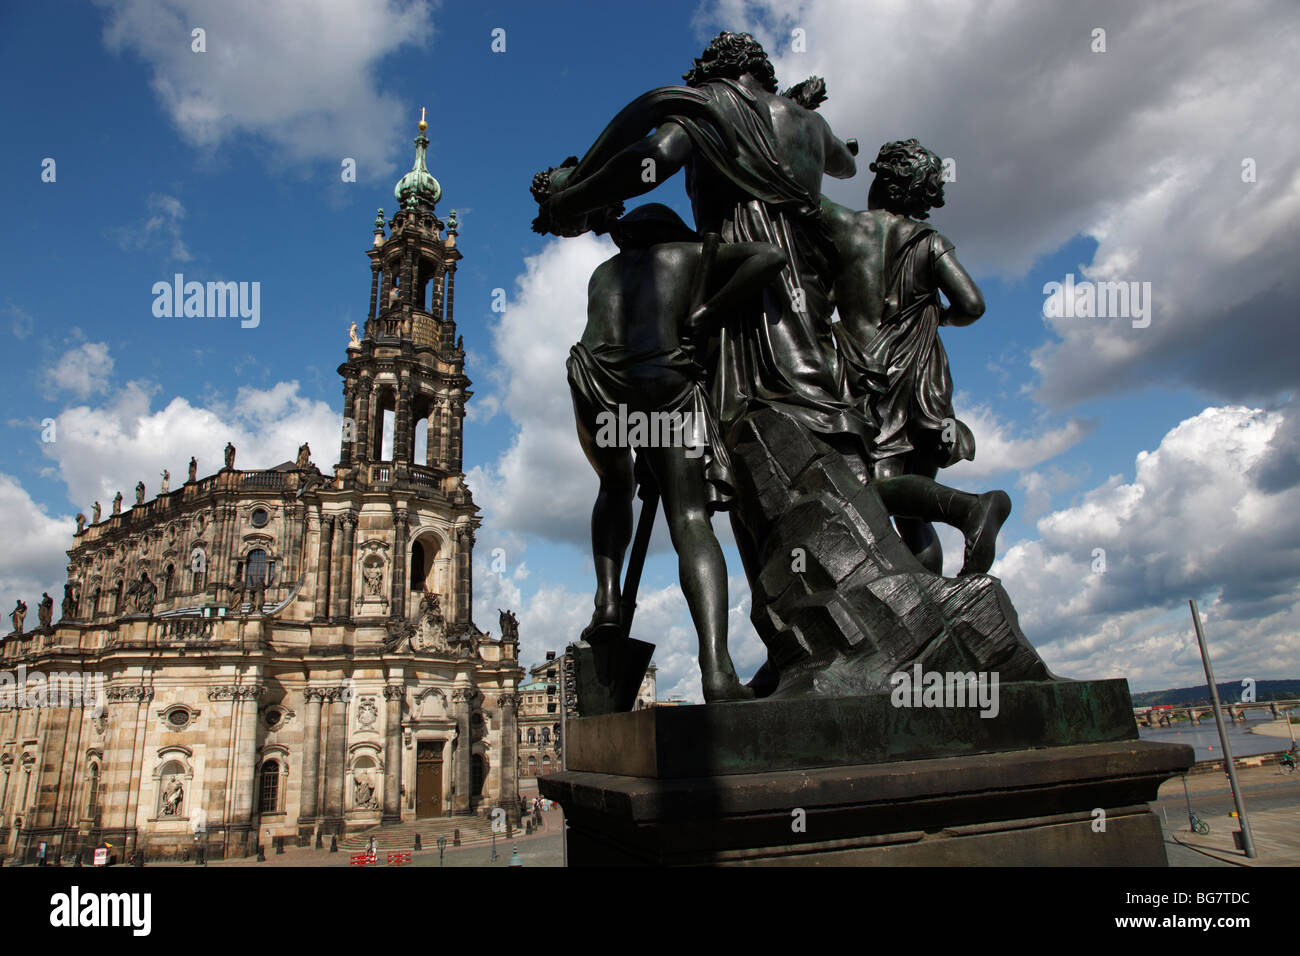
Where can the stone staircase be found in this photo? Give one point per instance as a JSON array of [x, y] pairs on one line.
[[401, 836]]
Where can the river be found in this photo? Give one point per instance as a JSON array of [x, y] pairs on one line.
[[1205, 738]]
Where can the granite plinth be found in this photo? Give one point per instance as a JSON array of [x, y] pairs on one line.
[[1023, 808], [793, 734], [1058, 777]]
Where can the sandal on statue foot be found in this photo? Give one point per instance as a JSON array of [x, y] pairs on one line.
[[982, 531]]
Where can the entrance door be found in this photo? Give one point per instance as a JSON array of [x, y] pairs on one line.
[[428, 780]]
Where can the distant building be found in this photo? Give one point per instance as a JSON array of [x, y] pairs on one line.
[[540, 719], [283, 652], [540, 723], [645, 697]]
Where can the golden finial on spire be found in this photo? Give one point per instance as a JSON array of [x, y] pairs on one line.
[[422, 124]]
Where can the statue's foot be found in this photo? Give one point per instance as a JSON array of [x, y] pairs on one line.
[[719, 687], [606, 625], [982, 529]]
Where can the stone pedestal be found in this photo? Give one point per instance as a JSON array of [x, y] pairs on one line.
[[1057, 778]]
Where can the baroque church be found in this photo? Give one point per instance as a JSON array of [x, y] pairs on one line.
[[284, 653]]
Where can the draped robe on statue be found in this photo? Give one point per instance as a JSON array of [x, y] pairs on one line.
[[773, 354]]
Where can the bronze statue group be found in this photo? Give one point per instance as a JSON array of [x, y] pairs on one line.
[[735, 315]]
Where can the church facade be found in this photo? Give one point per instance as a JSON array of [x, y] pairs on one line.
[[286, 652]]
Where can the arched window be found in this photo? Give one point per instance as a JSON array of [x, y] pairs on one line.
[[546, 735], [255, 568], [420, 441], [269, 800], [169, 582], [532, 735], [92, 791], [117, 598], [385, 413], [417, 567]]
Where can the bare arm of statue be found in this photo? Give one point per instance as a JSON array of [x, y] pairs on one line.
[[966, 302], [625, 176], [746, 266], [840, 163]]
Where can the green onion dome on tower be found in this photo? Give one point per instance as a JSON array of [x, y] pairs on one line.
[[418, 186]]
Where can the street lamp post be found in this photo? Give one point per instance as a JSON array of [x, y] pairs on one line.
[[1247, 840]]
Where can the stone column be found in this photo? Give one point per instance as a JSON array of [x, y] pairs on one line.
[[121, 772], [397, 608], [462, 706], [464, 574], [385, 287], [226, 561], [241, 837], [214, 582], [435, 297], [335, 759], [393, 696], [297, 545], [314, 697], [323, 567], [402, 419], [408, 276], [508, 759], [450, 284], [337, 573], [374, 288], [361, 415], [343, 612], [457, 429], [432, 453], [349, 399]]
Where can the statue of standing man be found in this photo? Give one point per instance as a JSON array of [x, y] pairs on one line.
[[18, 615]]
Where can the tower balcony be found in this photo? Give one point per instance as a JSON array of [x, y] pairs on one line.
[[429, 480], [423, 329]]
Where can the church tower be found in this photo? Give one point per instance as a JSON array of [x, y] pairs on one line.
[[404, 394], [284, 653]]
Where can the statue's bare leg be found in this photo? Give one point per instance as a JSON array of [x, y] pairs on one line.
[[918, 500], [611, 524], [700, 567]]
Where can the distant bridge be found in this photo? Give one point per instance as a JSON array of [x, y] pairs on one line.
[[1164, 716]]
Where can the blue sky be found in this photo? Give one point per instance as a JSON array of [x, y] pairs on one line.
[[1173, 447]]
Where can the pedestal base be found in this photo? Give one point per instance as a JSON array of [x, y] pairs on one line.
[[1067, 806], [1059, 778]]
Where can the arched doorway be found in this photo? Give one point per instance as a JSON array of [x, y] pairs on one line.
[[478, 774], [428, 779]]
